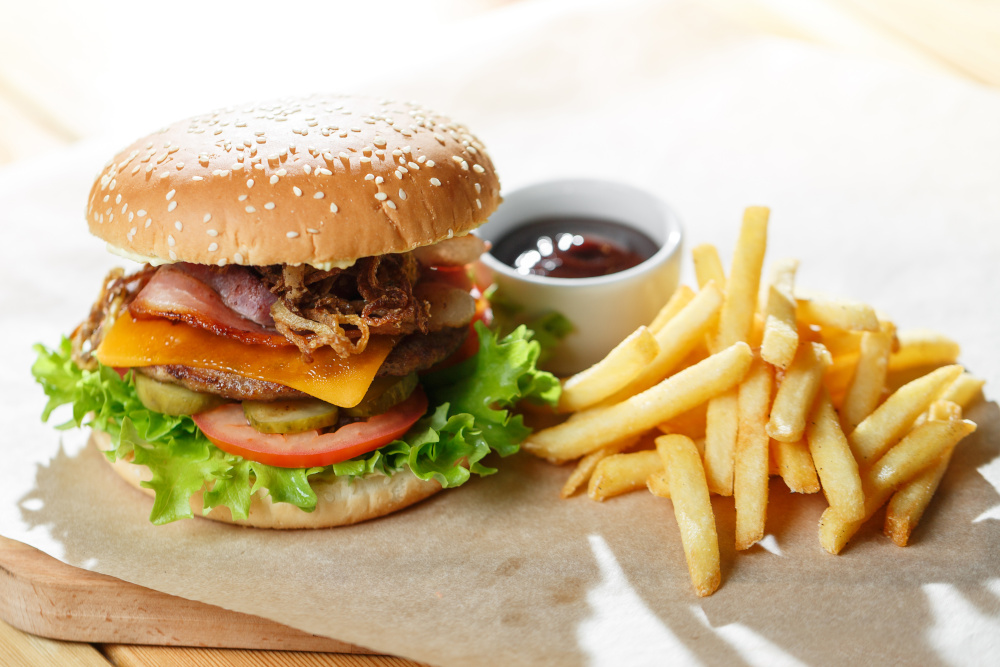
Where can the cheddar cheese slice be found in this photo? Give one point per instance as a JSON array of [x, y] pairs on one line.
[[330, 378]]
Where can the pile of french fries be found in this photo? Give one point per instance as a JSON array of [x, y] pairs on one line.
[[734, 383]]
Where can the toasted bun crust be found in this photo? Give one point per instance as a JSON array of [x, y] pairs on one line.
[[339, 503], [320, 180]]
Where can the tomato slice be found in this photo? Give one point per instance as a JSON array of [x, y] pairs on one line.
[[227, 428]]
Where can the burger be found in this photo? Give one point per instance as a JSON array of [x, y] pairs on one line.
[[301, 345]]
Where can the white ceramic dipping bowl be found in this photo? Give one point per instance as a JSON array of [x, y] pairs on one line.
[[603, 309]]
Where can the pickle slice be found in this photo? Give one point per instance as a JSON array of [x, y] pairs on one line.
[[384, 393], [290, 416], [172, 399]]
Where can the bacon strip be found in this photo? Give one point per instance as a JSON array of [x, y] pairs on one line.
[[173, 293], [240, 288]]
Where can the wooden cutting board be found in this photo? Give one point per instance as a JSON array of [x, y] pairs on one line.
[[46, 597]]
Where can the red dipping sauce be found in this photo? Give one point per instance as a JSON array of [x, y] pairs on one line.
[[573, 248]]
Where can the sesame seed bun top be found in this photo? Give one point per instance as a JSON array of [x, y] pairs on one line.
[[321, 180]]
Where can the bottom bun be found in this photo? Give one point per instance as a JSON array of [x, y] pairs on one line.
[[339, 502]]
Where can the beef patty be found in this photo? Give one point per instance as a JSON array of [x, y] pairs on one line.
[[416, 352]]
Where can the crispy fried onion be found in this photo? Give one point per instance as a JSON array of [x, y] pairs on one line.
[[117, 291], [341, 308]]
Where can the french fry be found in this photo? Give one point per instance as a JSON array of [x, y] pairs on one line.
[[795, 465], [842, 343], [592, 429], [691, 423], [864, 391], [627, 361], [835, 464], [680, 298], [750, 480], [781, 333], [909, 457], [797, 393], [908, 503], [708, 266], [735, 320], [923, 348], [678, 338], [693, 511], [722, 420], [824, 312], [886, 425], [658, 484], [736, 316], [585, 466], [963, 391], [622, 473]]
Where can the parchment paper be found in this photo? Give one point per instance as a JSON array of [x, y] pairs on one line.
[[884, 183]]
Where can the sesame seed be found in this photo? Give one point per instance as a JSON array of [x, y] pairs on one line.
[[238, 258], [308, 169], [479, 204], [323, 171], [251, 209], [402, 194], [173, 255], [435, 181], [369, 177], [242, 198], [170, 241], [297, 190], [273, 180], [249, 182], [292, 235], [478, 169], [313, 231], [391, 204], [222, 262], [333, 208], [208, 216], [269, 205], [197, 178], [318, 195], [162, 176], [179, 226], [479, 188], [379, 141], [118, 199], [381, 196], [212, 232], [430, 163], [212, 247], [379, 180], [171, 206], [148, 223]]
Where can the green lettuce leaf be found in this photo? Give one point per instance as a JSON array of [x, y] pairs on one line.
[[471, 420]]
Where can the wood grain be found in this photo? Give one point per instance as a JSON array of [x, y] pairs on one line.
[[18, 648], [43, 596], [161, 656]]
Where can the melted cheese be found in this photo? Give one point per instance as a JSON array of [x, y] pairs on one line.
[[156, 342]]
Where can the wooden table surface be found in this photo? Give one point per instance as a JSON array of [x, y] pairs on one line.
[[960, 37]]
